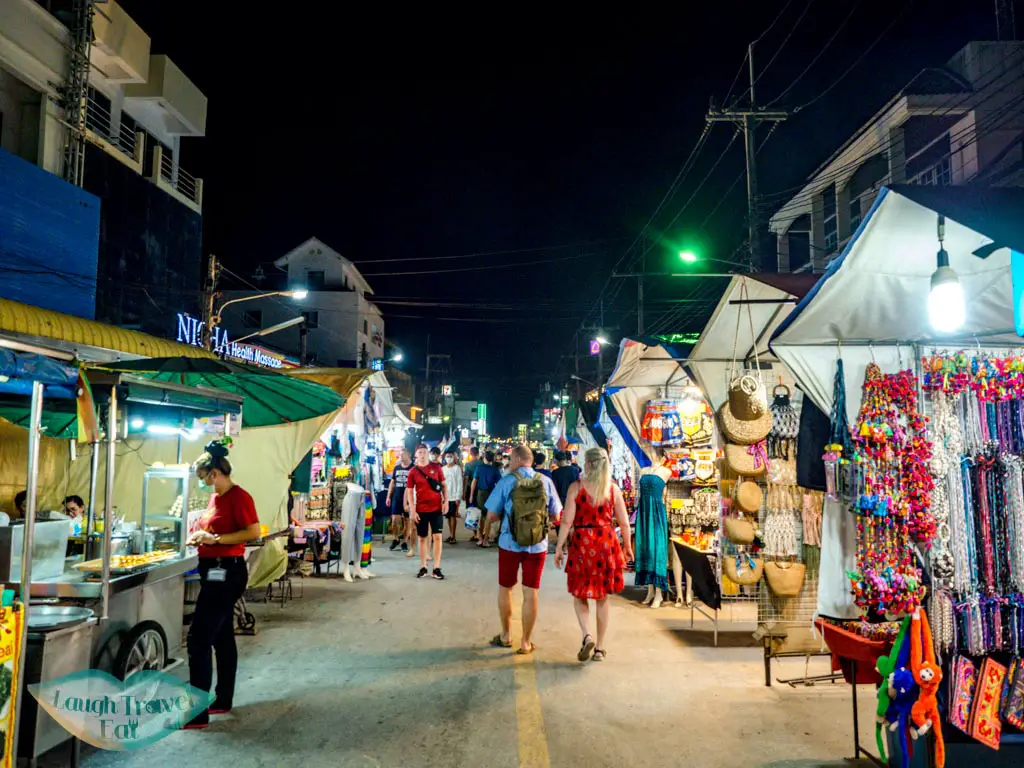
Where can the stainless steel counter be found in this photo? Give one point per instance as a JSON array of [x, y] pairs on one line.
[[75, 585]]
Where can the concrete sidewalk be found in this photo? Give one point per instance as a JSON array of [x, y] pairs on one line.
[[397, 672]]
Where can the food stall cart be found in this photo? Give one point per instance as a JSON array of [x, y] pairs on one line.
[[120, 613]]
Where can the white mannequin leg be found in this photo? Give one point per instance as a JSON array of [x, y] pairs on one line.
[[677, 574], [650, 595], [658, 598], [347, 573]]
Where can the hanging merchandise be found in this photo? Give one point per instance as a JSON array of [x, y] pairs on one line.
[[785, 579], [739, 530], [785, 425], [696, 419], [705, 467], [707, 504], [749, 497], [661, 425], [891, 457], [781, 527], [747, 460], [743, 569]]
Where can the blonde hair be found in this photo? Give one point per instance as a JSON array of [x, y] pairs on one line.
[[597, 472]]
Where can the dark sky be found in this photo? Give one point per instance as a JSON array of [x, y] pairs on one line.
[[425, 139]]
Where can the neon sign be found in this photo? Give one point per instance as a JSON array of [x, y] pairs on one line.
[[190, 331]]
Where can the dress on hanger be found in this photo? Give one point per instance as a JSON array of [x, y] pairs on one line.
[[652, 534], [594, 566]]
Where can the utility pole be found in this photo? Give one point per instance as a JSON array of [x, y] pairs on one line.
[[748, 119], [1006, 25], [209, 297]]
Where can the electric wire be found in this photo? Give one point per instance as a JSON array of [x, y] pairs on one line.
[[814, 61], [478, 254], [785, 40], [480, 267]]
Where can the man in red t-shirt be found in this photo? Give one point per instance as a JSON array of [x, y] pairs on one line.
[[426, 496]]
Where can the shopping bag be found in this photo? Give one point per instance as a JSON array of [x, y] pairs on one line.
[[473, 518]]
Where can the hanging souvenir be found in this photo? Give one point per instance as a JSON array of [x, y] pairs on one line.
[[661, 424], [705, 467], [785, 424], [696, 419]]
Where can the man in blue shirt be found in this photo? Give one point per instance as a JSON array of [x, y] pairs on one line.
[[512, 556], [485, 477]]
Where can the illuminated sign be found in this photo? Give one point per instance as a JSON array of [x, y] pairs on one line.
[[446, 390], [190, 331], [377, 364], [434, 420], [474, 425], [481, 411], [595, 347]]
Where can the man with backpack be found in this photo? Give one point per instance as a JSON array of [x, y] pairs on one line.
[[526, 504]]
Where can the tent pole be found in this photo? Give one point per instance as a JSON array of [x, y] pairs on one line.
[[94, 474], [28, 537], [108, 502]]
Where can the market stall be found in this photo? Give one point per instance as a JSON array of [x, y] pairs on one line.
[[664, 421], [117, 604], [925, 506], [771, 535]]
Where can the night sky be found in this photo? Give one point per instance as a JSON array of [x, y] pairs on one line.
[[474, 138]]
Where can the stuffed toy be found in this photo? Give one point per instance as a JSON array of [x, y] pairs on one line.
[[928, 676], [886, 666], [904, 695]]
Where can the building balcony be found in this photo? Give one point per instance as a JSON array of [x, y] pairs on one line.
[[168, 99], [175, 180], [120, 47], [113, 136]]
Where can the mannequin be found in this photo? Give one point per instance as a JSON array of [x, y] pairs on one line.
[[353, 524], [677, 577], [652, 542]]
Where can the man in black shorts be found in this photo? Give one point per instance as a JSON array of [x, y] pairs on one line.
[[400, 524], [426, 496]]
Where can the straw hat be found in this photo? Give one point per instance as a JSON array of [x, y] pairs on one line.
[[749, 497], [744, 431]]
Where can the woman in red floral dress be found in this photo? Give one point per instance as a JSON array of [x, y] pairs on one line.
[[595, 559]]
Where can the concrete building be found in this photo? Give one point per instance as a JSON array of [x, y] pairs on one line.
[[960, 123], [84, 99], [343, 327]]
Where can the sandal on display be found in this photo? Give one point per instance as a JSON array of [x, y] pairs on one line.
[[497, 642], [587, 649]]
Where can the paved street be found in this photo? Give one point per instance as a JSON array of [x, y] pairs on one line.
[[397, 672]]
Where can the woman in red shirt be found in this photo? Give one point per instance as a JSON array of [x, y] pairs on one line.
[[229, 522]]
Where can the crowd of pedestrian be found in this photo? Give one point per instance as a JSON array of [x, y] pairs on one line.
[[529, 509]]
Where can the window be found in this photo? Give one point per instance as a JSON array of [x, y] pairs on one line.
[[939, 175], [366, 327], [854, 214], [252, 318], [831, 220], [312, 319], [315, 280]]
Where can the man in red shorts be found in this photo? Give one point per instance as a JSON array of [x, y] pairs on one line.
[[520, 484], [426, 496]]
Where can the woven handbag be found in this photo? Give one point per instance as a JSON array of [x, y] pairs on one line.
[[743, 569], [785, 579], [739, 530], [747, 460]]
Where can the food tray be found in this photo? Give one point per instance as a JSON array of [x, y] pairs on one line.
[[122, 564]]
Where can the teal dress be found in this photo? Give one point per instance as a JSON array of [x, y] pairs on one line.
[[652, 534]]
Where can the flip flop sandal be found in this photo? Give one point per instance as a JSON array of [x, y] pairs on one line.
[[599, 655], [586, 649], [497, 642], [527, 651]]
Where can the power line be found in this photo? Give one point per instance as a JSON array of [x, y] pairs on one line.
[[824, 48], [896, 19], [492, 253], [481, 267], [785, 40]]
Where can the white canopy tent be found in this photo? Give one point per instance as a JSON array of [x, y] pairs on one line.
[[750, 310], [645, 370], [872, 302]]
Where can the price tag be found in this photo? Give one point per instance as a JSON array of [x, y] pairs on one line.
[[677, 503]]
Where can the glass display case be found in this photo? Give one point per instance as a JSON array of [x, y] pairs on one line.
[[171, 507]]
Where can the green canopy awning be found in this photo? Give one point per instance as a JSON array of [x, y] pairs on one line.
[[270, 398]]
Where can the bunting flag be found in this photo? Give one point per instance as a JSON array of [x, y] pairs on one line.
[[366, 556]]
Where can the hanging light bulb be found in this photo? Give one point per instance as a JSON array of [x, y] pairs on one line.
[[946, 310]]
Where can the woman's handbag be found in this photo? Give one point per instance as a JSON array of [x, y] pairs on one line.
[[785, 579], [473, 515], [743, 569], [747, 460], [749, 497], [739, 530]]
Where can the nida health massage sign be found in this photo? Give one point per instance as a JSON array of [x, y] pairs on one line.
[[120, 714]]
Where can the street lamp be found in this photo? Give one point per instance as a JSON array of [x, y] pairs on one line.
[[602, 340], [273, 328], [216, 315], [946, 300], [688, 256], [396, 358]]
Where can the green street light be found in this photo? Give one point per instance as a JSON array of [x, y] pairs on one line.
[[688, 256]]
